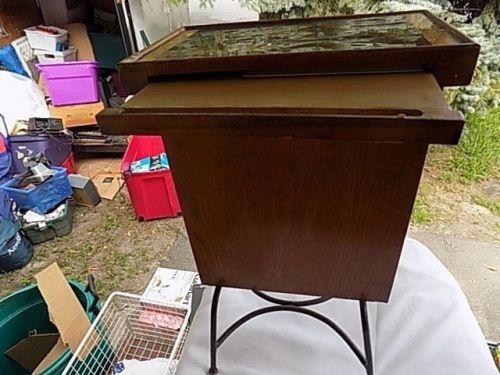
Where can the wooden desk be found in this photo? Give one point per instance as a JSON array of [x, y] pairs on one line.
[[296, 184]]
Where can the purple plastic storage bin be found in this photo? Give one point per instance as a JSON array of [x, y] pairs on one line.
[[71, 82], [56, 147]]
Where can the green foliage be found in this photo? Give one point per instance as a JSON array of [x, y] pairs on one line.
[[477, 156], [484, 91], [491, 204], [421, 211]]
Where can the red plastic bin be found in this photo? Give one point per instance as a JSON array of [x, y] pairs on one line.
[[70, 164], [152, 193]]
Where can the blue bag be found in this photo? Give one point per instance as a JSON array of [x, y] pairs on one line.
[[6, 204], [10, 62], [15, 249]]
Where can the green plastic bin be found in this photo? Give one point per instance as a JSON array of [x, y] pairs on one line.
[[59, 227], [23, 312]]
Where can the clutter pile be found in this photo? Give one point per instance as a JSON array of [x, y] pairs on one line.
[[59, 78], [50, 44], [42, 325], [62, 60], [34, 189], [37, 164]]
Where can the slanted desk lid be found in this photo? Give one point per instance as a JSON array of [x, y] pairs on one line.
[[406, 107], [386, 42]]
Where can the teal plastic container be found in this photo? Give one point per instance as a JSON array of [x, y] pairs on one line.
[[23, 312], [108, 49]]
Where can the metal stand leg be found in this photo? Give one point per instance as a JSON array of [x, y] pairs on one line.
[[213, 331], [292, 306], [366, 337]]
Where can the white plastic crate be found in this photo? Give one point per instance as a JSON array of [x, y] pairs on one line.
[[130, 328], [24, 52], [55, 57], [39, 39]]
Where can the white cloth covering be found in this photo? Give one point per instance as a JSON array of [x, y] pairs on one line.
[[426, 328], [20, 99]]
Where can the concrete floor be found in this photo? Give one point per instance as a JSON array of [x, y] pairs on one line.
[[475, 264]]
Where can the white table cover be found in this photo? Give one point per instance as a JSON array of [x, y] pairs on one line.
[[426, 328]]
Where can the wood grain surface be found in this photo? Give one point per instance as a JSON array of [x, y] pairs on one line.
[[351, 107], [297, 184], [295, 215]]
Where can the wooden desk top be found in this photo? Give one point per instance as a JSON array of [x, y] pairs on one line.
[[405, 107]]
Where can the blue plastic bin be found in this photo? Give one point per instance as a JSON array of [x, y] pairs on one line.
[[43, 197]]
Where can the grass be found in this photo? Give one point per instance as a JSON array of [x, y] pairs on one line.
[[422, 213], [491, 204], [477, 157], [106, 241]]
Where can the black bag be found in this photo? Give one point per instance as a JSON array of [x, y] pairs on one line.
[[15, 249]]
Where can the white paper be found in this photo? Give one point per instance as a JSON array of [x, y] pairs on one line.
[[171, 286]]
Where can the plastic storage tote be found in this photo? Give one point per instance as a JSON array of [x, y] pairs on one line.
[[43, 197], [56, 147], [55, 57], [25, 311], [108, 49], [70, 164], [39, 39], [58, 227], [152, 193], [72, 82]]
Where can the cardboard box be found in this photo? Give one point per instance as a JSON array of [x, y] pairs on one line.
[[36, 352], [78, 37], [108, 184], [77, 115], [31, 351]]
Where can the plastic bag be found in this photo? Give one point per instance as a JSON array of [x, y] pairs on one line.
[[10, 61], [21, 101]]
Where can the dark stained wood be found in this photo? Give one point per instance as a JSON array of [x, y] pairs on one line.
[[354, 107], [451, 60], [298, 184], [317, 217]]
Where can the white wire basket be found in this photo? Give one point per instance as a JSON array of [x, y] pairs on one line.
[[128, 329]]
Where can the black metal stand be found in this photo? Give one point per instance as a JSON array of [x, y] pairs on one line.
[[366, 359]]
